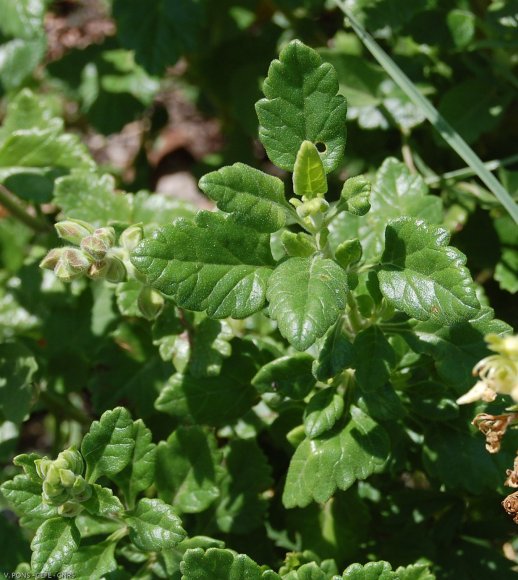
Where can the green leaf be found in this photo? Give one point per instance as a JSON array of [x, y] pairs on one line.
[[355, 195], [103, 502], [18, 59], [219, 564], [173, 27], [42, 145], [26, 111], [173, 558], [373, 358], [430, 401], [298, 245], [108, 446], [54, 544], [335, 460], [186, 469], [309, 571], [309, 176], [91, 562], [127, 294], [254, 198], [24, 495], [348, 252], [214, 400], [323, 410], [240, 508], [395, 192], [335, 529], [157, 209], [17, 367], [212, 264], [456, 349], [95, 526], [289, 375], [154, 526], [306, 297], [360, 82], [86, 196], [462, 26], [23, 22], [26, 462], [447, 132], [335, 355], [371, 571], [383, 403], [473, 117], [459, 460], [414, 572], [506, 271], [138, 475], [22, 19], [423, 276], [301, 104], [211, 345]]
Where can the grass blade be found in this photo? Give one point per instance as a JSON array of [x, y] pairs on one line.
[[447, 132]]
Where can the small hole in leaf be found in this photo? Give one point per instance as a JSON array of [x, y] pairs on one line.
[[321, 147]]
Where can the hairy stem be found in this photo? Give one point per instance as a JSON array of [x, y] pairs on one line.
[[8, 200]]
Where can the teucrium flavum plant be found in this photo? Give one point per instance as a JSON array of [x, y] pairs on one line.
[[331, 318]]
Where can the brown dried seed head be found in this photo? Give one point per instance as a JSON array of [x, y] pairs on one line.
[[510, 504]]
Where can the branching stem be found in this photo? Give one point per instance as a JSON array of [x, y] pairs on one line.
[[8, 200]]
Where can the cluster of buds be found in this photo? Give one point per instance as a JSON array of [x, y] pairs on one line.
[[498, 373], [96, 255], [63, 485], [310, 210]]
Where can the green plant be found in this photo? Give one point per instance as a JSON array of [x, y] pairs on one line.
[[296, 354]]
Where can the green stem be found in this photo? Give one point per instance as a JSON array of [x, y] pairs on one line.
[[10, 203], [118, 534], [353, 314], [406, 152], [468, 171], [446, 131]]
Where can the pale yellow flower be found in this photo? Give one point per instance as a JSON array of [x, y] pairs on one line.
[[498, 373]]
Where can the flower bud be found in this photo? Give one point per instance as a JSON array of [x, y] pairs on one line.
[[505, 345], [98, 270], [50, 261], [81, 491], [42, 466], [107, 235], [70, 509], [312, 207], [348, 252], [150, 302], [67, 477], [95, 247], [53, 494], [116, 271], [71, 264], [71, 459], [73, 231], [52, 477], [131, 237]]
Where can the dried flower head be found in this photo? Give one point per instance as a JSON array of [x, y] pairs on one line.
[[494, 428]]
